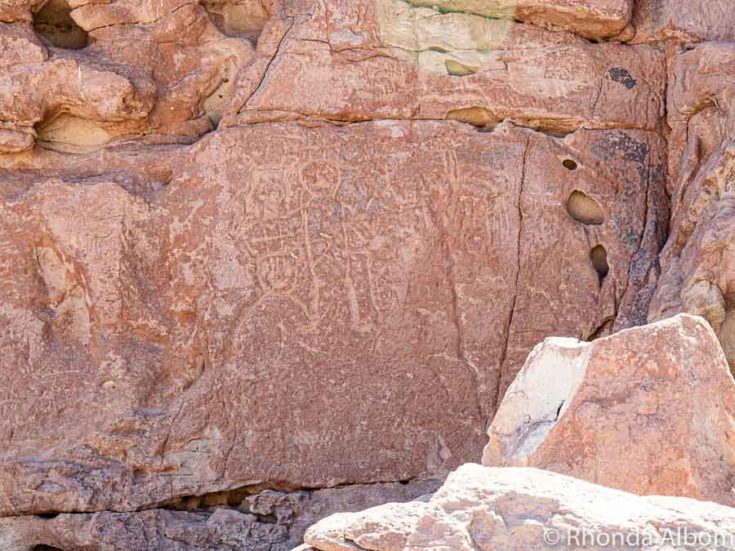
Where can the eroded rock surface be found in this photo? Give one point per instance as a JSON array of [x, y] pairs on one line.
[[648, 410], [87, 73], [303, 244], [690, 21], [244, 519], [588, 18], [303, 275], [697, 274], [387, 59], [480, 508]]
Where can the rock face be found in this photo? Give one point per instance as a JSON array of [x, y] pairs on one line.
[[291, 245], [261, 521], [697, 275], [88, 72], [648, 410], [690, 21], [481, 508], [303, 274], [592, 19], [386, 59]]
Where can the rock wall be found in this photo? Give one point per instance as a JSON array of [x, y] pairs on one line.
[[282, 245]]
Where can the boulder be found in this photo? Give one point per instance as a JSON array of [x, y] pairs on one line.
[[648, 410]]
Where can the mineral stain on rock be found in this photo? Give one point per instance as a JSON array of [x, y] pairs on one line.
[[623, 76]]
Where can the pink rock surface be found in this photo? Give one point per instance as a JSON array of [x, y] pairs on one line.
[[697, 276], [295, 244], [352, 61], [204, 319], [589, 18], [95, 72], [241, 520]]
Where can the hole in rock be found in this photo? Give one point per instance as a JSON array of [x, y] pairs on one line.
[[69, 132], [476, 116], [457, 69], [584, 209], [225, 498], [551, 128], [238, 18], [53, 22], [569, 164], [214, 106], [598, 255], [48, 515], [605, 329], [42, 547]]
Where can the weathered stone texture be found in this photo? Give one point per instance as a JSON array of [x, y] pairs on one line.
[[300, 271], [263, 521], [160, 69], [387, 60], [689, 21], [697, 276], [588, 18], [304, 244], [481, 508]]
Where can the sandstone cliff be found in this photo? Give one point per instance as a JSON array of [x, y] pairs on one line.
[[262, 261]]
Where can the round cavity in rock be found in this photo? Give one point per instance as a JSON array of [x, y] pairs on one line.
[[569, 164], [476, 116], [457, 69], [598, 255], [67, 133], [238, 18], [584, 209], [53, 22]]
